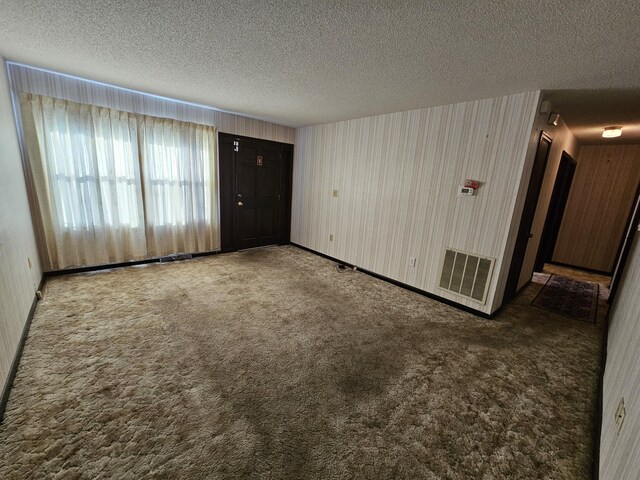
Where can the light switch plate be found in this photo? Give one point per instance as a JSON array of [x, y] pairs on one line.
[[412, 261]]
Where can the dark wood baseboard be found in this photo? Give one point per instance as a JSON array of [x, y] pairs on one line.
[[108, 266], [206, 254], [6, 390], [584, 269], [430, 295]]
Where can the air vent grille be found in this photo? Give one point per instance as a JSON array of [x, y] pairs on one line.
[[466, 274]]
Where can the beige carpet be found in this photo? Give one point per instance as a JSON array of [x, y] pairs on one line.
[[270, 364]]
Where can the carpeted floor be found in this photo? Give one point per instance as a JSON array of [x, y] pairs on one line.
[[271, 364]]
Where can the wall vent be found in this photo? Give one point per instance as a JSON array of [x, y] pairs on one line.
[[466, 274]]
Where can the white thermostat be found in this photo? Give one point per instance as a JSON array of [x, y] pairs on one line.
[[466, 191]]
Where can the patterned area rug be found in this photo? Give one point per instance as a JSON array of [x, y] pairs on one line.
[[569, 297]]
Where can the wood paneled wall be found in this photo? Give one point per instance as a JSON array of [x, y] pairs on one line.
[[18, 281], [26, 79], [620, 451], [397, 176], [601, 197], [562, 140]]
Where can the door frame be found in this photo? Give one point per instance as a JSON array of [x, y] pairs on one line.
[[633, 222], [555, 212], [526, 221], [227, 173]]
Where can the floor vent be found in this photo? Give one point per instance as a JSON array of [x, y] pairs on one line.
[[174, 258], [466, 274]]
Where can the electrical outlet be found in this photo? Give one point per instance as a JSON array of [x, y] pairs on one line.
[[620, 413], [412, 261], [331, 237], [335, 193]]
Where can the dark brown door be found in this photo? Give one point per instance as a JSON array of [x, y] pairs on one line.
[[257, 194], [557, 205], [255, 177], [530, 205]]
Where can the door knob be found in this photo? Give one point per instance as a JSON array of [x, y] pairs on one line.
[[240, 204]]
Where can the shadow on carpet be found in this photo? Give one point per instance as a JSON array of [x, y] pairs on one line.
[[570, 298], [270, 364]]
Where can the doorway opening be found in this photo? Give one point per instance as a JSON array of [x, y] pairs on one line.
[[557, 205], [255, 192], [545, 267], [592, 217], [528, 213], [633, 224]]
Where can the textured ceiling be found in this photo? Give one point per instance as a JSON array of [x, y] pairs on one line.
[[307, 62]]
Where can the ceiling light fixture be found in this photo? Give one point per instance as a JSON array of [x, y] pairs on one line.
[[612, 132], [554, 118]]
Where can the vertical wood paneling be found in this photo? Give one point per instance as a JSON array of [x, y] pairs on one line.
[[42, 82], [18, 282], [601, 197], [620, 451], [562, 140], [397, 176]]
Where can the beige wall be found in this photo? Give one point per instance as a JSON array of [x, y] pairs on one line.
[[397, 177], [18, 282], [620, 451], [601, 197], [32, 80], [562, 140]]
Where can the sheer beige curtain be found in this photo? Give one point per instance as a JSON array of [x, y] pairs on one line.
[[85, 167], [180, 179], [113, 187]]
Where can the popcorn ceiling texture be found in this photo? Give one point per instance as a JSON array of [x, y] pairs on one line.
[[272, 364], [317, 61]]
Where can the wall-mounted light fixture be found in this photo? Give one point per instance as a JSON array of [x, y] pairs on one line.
[[554, 118], [612, 132]]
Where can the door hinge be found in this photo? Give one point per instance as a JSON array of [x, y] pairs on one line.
[[236, 146]]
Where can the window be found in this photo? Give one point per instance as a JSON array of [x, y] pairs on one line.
[[90, 165], [179, 180]]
